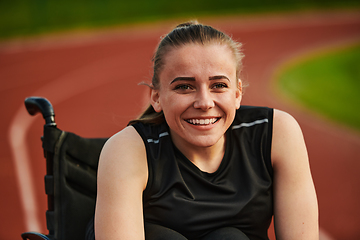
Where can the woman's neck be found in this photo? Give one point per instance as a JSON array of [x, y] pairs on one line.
[[207, 159]]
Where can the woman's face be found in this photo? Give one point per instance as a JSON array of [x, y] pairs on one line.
[[198, 93]]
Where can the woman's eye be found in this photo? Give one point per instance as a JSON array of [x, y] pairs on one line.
[[219, 85], [182, 87]]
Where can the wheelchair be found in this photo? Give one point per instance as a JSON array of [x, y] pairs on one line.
[[70, 180]]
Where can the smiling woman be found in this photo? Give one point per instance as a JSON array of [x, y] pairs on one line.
[[204, 88], [197, 165]]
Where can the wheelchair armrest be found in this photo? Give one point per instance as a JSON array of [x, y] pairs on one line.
[[34, 236]]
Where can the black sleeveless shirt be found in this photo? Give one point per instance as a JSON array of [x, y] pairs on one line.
[[239, 194]]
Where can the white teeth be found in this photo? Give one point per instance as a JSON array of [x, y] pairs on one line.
[[202, 121]]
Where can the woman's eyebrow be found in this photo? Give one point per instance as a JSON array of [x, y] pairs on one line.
[[183, 78], [219, 77], [193, 79]]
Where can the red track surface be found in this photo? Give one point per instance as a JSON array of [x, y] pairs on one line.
[[92, 82]]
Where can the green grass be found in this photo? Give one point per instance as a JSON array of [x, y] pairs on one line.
[[31, 17], [328, 84]]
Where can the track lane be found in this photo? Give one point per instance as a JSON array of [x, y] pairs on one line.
[[64, 71]]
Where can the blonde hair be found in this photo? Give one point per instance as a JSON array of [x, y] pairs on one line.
[[185, 33]]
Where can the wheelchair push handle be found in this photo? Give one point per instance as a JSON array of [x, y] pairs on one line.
[[35, 105]]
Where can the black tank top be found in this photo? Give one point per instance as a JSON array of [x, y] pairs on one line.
[[239, 194]]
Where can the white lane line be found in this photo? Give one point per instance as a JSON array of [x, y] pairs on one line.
[[17, 138]]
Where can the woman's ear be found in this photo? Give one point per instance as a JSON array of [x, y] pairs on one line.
[[239, 93], [155, 100]]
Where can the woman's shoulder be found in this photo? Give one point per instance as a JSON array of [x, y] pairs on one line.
[[286, 124], [124, 145], [122, 177], [128, 136], [287, 136], [295, 201]]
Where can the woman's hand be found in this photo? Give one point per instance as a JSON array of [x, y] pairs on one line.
[[295, 202]]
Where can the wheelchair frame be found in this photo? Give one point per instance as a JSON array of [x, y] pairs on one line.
[[70, 180]]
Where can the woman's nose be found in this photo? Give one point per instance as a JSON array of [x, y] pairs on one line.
[[204, 100]]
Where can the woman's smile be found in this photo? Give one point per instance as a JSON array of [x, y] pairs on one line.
[[202, 121]]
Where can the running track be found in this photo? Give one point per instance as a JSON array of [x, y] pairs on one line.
[[92, 78]]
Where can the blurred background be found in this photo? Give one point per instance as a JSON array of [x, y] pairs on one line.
[[24, 17], [87, 58]]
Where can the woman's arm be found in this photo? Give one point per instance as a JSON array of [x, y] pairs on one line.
[[295, 202], [122, 177]]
